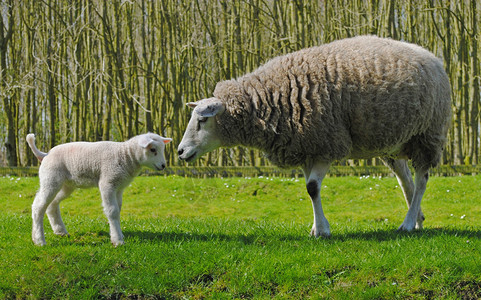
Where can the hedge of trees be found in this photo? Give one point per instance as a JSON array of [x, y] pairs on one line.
[[108, 70]]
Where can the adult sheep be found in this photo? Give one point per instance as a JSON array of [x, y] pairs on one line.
[[360, 97]]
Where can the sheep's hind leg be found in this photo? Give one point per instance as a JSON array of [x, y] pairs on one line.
[[411, 220], [53, 211], [314, 175], [405, 180]]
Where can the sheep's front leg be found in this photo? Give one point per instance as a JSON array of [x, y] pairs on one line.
[[112, 211], [314, 175], [411, 220]]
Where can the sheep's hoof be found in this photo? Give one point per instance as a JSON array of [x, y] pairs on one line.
[[316, 233], [405, 228], [420, 221]]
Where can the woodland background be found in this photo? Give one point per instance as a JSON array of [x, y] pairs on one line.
[[108, 70]]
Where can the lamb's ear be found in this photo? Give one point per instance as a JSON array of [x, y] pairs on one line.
[[210, 108], [192, 104], [145, 141], [166, 140]]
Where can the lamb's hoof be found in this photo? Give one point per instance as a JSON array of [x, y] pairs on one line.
[[62, 233], [117, 243], [39, 243]]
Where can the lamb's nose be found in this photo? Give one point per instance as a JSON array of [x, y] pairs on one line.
[[180, 151], [163, 166]]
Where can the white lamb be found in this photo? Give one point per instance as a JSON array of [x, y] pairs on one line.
[[109, 165]]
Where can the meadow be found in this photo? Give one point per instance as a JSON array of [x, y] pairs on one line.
[[225, 238]]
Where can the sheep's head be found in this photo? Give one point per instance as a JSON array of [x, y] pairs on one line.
[[202, 134], [153, 150]]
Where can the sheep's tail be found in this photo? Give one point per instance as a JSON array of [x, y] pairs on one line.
[[31, 142]]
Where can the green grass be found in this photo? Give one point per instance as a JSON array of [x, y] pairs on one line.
[[247, 238]]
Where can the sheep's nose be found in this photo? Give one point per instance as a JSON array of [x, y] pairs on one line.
[[180, 151], [163, 166]]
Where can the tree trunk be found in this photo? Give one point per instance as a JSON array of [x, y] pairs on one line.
[[8, 97]]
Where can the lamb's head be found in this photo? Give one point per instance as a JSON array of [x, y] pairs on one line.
[[202, 133], [152, 147]]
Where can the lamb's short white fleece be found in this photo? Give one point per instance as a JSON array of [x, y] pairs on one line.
[[109, 165]]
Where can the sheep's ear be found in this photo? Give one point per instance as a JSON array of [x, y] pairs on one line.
[[145, 141], [167, 140], [192, 104], [211, 108]]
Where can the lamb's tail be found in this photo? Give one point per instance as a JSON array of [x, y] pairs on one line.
[[31, 142]]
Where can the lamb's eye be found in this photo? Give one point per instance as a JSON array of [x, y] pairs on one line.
[[153, 150]]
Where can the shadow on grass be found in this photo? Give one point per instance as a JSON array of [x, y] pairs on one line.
[[427, 233], [247, 239], [265, 237]]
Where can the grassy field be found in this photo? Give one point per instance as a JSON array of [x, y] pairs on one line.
[[247, 238]]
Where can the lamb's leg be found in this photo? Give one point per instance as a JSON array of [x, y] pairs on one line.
[[314, 175], [119, 198], [53, 211], [411, 220], [119, 203], [405, 180], [44, 196], [112, 211]]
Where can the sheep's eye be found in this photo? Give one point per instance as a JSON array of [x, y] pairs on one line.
[[200, 120], [153, 150]]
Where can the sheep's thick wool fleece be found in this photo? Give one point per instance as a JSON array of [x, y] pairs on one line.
[[360, 97]]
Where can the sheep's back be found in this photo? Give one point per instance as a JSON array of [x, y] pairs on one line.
[[392, 92]]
